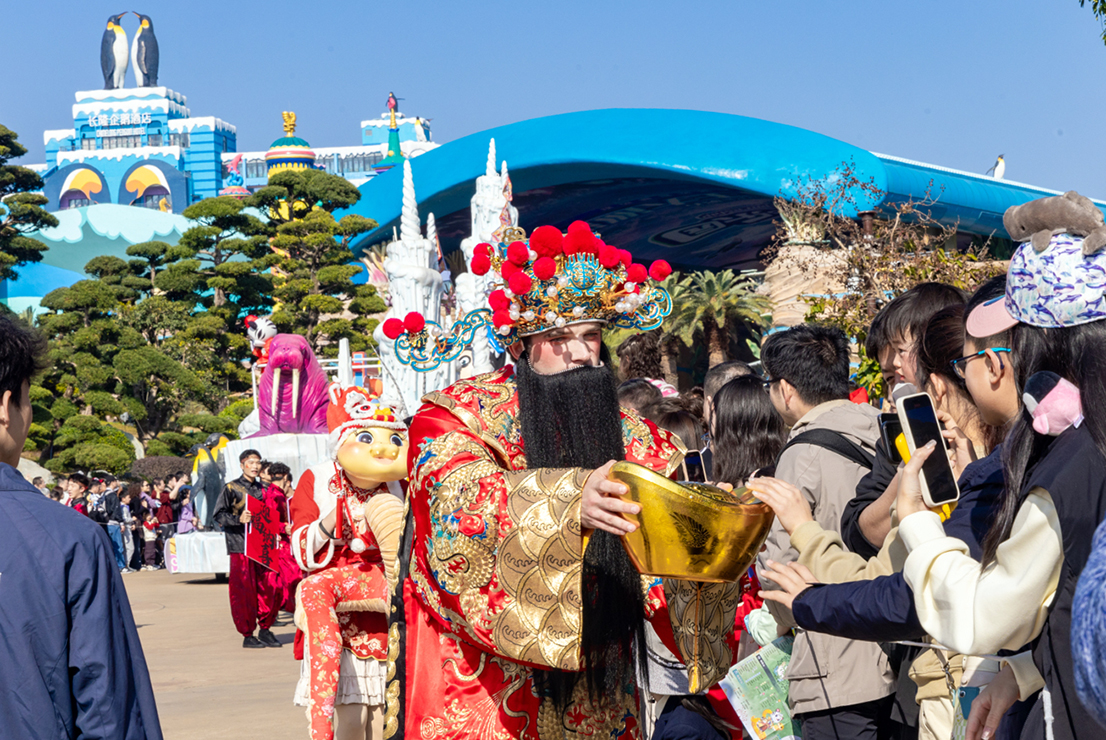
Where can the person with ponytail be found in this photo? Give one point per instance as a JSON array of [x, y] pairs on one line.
[[1055, 496]]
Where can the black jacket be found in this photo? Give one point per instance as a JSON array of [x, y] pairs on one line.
[[113, 508], [1073, 471], [870, 488], [229, 507]]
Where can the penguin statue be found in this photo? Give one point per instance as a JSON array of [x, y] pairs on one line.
[[144, 53], [113, 54]]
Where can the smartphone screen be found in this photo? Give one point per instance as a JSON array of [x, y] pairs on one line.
[[890, 428], [693, 467], [925, 428]]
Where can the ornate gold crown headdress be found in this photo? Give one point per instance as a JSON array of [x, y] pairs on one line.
[[555, 279], [546, 282]]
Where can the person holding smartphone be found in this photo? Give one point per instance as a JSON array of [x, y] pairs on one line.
[[892, 340], [869, 598], [1055, 497]]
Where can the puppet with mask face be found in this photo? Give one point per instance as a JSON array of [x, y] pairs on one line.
[[347, 517]]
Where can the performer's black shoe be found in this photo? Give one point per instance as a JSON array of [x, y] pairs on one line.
[[268, 639], [252, 642]]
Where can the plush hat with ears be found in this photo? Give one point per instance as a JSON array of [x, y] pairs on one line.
[[1052, 402], [1071, 213], [351, 409]]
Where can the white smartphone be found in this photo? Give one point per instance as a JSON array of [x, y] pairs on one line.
[[920, 426]]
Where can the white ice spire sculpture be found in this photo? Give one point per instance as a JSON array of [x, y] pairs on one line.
[[432, 234], [414, 284], [491, 211], [490, 170]]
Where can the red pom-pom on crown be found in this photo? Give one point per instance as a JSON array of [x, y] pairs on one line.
[[609, 256], [580, 242], [483, 248], [393, 328], [636, 273], [498, 301], [501, 318], [507, 269], [414, 322], [659, 270], [547, 241], [578, 226], [518, 253], [520, 283], [544, 268], [481, 264]]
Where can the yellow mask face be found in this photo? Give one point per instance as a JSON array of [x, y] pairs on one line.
[[375, 454]]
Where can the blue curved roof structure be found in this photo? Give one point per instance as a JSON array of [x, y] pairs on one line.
[[692, 187]]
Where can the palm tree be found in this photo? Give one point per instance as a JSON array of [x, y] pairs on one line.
[[711, 303]]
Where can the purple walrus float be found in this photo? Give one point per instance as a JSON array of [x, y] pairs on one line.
[[291, 395]]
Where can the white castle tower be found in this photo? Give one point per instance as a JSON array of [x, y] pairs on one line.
[[492, 214], [414, 284]]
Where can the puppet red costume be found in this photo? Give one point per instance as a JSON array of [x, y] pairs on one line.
[[347, 516]]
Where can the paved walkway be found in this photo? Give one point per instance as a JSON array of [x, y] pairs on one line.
[[205, 683]]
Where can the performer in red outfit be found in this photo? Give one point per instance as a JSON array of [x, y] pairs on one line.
[[288, 570], [255, 593], [519, 613], [347, 516]]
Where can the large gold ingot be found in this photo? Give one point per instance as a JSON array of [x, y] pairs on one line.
[[691, 531]]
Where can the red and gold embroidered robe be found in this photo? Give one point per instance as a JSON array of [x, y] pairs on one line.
[[491, 581]]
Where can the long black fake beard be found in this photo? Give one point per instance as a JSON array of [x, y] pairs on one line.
[[572, 419]]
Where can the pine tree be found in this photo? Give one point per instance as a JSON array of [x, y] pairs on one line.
[[218, 268], [103, 362], [21, 209], [313, 267]]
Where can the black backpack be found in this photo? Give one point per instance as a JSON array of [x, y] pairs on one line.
[[834, 442]]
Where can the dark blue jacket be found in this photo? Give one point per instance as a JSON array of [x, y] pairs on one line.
[[71, 665], [677, 722], [882, 609]]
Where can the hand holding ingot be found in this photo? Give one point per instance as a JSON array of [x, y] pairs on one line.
[[601, 503]]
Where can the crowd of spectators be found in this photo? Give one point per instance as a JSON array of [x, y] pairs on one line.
[[861, 572]]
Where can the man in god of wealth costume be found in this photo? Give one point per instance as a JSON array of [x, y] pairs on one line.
[[348, 516], [518, 613]]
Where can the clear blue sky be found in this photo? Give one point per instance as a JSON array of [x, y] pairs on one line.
[[950, 83]]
